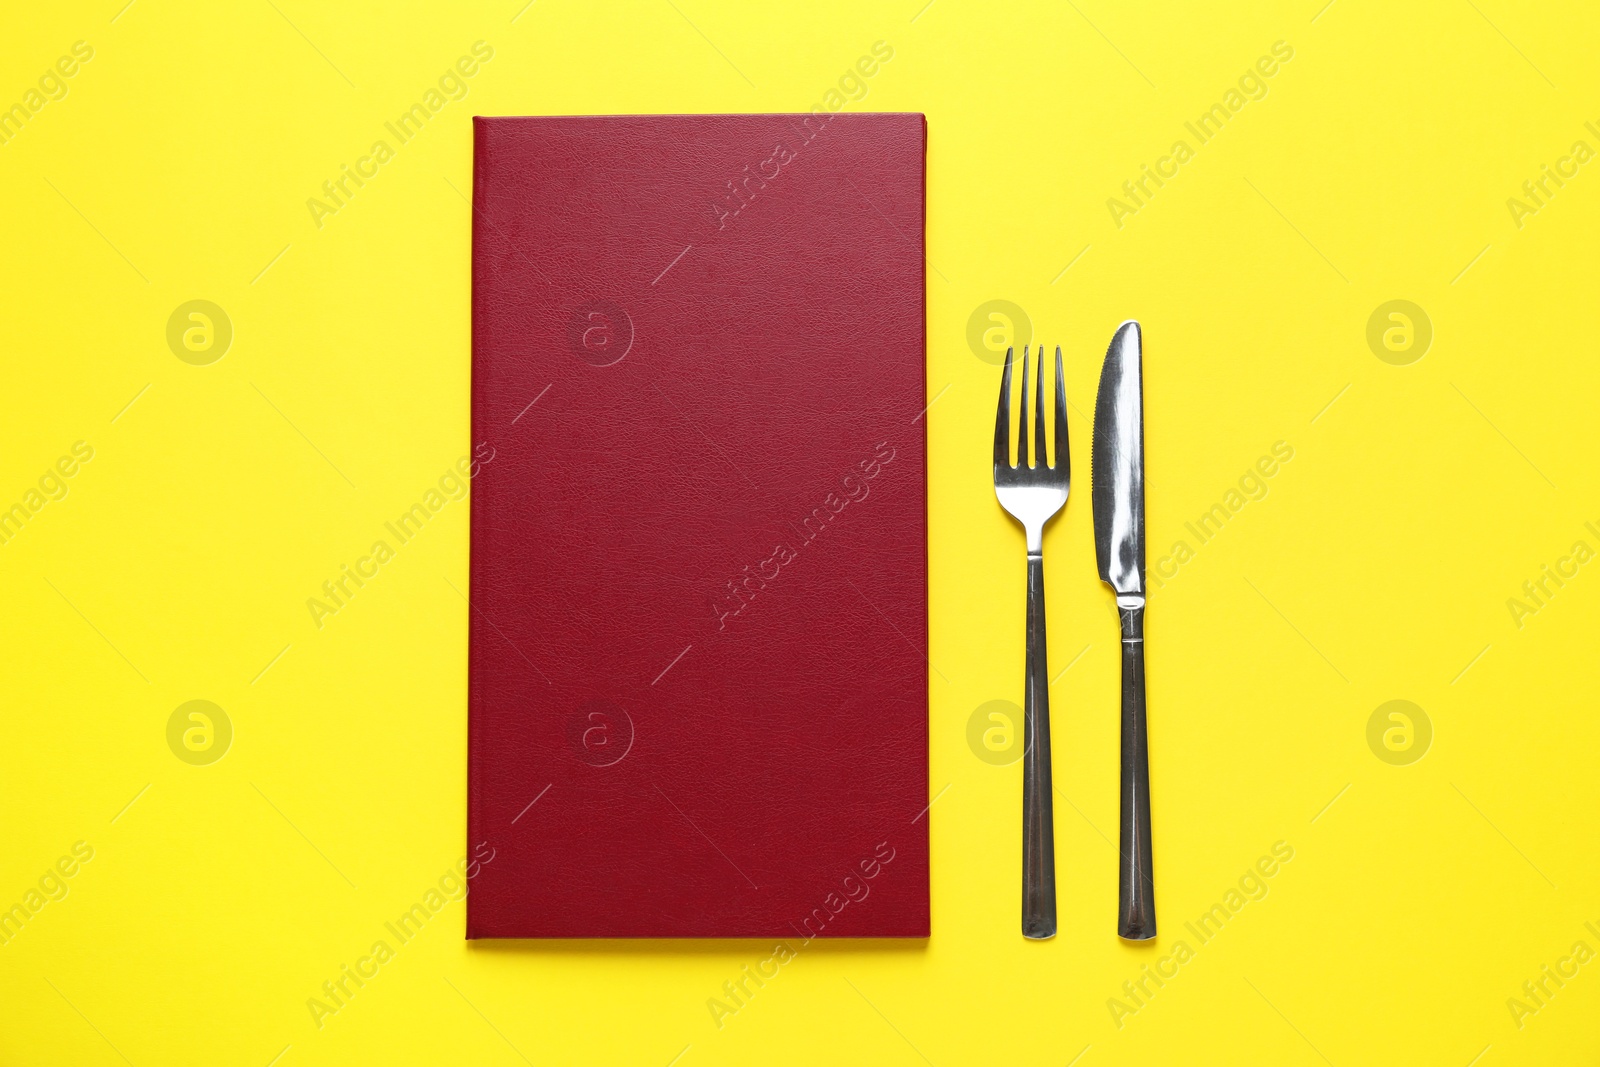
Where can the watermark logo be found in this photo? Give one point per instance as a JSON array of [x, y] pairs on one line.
[[452, 886], [340, 590], [51, 886], [1538, 191], [852, 84], [742, 590], [740, 191], [996, 325], [855, 888], [51, 486], [1137, 192], [995, 733], [199, 733], [601, 733], [743, 189], [600, 333], [51, 86], [1399, 733], [1252, 887], [1538, 591], [1252, 486], [199, 332], [1399, 332], [337, 192], [1539, 991]]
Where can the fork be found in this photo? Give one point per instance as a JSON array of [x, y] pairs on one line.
[[1033, 494]]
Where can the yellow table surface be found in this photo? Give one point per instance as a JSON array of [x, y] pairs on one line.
[[1420, 542]]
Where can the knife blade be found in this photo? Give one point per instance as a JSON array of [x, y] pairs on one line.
[[1117, 489], [1117, 465]]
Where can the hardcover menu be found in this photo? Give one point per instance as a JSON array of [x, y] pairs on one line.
[[698, 664]]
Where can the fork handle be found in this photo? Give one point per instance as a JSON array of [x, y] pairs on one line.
[[1136, 897], [1038, 819]]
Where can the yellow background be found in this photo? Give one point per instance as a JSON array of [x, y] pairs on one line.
[[1377, 567]]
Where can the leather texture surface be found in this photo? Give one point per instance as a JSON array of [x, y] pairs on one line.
[[698, 670]]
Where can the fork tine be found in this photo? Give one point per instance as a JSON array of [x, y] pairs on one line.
[[1040, 458], [1002, 420], [1063, 457], [1022, 413]]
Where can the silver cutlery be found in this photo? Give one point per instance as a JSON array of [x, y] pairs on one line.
[[1116, 475], [1033, 494]]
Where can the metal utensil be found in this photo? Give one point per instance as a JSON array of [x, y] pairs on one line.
[[1033, 494], [1116, 475]]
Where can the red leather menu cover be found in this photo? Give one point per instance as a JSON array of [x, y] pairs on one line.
[[698, 663]]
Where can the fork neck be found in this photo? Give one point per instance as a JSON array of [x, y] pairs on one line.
[[1035, 541]]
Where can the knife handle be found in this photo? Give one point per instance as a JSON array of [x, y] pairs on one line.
[[1136, 896], [1038, 819]]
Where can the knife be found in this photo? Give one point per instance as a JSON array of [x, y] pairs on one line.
[[1117, 480]]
